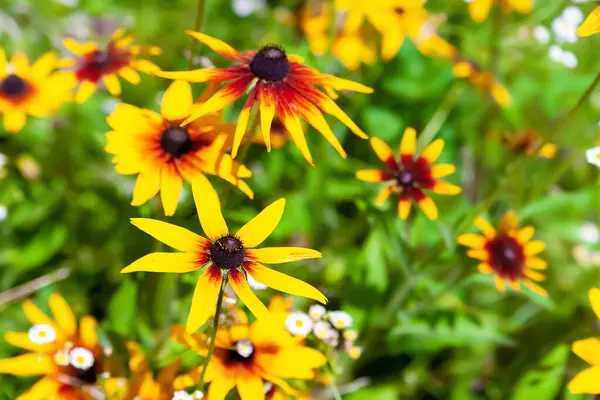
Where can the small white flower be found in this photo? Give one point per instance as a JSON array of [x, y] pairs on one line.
[[569, 59], [254, 284], [298, 323], [244, 348], [340, 319], [593, 156], [316, 311], [590, 233], [556, 53], [182, 395], [541, 34], [350, 335], [41, 333], [267, 387], [243, 8], [229, 298], [198, 395], [354, 352], [573, 15], [3, 160], [332, 338], [81, 358], [321, 329], [3, 212], [564, 29]]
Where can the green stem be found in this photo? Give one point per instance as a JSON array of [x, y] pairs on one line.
[[439, 117], [197, 27], [334, 389], [213, 334]]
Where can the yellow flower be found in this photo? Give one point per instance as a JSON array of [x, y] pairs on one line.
[[30, 89], [69, 357], [409, 177], [527, 142], [509, 253], [224, 254], [279, 135], [591, 24], [163, 154], [247, 357], [315, 20], [484, 81], [118, 58], [588, 380], [480, 9]]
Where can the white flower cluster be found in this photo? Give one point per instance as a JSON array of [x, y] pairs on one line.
[[183, 395], [78, 357], [329, 327], [564, 28]]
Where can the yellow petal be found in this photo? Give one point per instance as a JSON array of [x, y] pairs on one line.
[[216, 45], [384, 194], [591, 24], [205, 297], [442, 170], [87, 332], [428, 207], [408, 144], [147, 185], [3, 62], [587, 381], [279, 255], [250, 387], [478, 254], [77, 48], [45, 388], [35, 316], [63, 315], [330, 107], [485, 227], [462, 69], [194, 76], [20, 64], [219, 388], [534, 247], [588, 350], [345, 84], [533, 275], [241, 127], [21, 339], [404, 206], [472, 240], [509, 223], [209, 208], [30, 364], [284, 283], [260, 227], [145, 66], [548, 150], [595, 301], [130, 75], [535, 263], [177, 101], [525, 234], [43, 66], [315, 118], [485, 268], [267, 113], [239, 284], [501, 95], [480, 9], [172, 235], [383, 151], [85, 90], [165, 262], [292, 125], [112, 84], [433, 151], [499, 283], [535, 287], [170, 190], [442, 187], [14, 120], [370, 175]]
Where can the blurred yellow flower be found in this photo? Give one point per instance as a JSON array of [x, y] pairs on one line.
[[480, 9], [509, 253], [224, 256], [30, 89], [410, 176], [163, 154], [119, 58], [588, 380], [484, 81], [591, 24], [527, 142]]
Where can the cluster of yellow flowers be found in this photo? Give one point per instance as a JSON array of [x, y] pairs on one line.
[[189, 139]]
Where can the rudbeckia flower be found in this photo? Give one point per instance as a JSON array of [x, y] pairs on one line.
[[509, 253], [588, 380], [591, 24], [119, 58], [283, 86], [480, 9], [247, 357], [163, 154], [30, 89], [527, 142], [224, 255], [410, 176], [69, 357], [484, 81]]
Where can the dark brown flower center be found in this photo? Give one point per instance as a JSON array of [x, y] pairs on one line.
[[270, 63], [506, 255], [12, 86], [406, 178], [399, 10], [234, 355], [176, 141], [228, 252], [84, 376]]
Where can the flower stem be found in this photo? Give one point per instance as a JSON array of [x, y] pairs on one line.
[[197, 27], [213, 334]]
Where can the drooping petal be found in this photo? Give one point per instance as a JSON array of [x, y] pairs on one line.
[[239, 284], [442, 187], [171, 185], [588, 350], [283, 282], [442, 170], [433, 151], [208, 207], [14, 120], [250, 387], [216, 45], [501, 94], [172, 235], [279, 255], [534, 247], [485, 227], [344, 84], [330, 107], [291, 121], [472, 240], [146, 187], [177, 101], [499, 283], [87, 332], [85, 90], [408, 144], [267, 113], [30, 364], [260, 227], [427, 205], [112, 84], [595, 301], [404, 206], [166, 262], [591, 24], [63, 315], [205, 296]]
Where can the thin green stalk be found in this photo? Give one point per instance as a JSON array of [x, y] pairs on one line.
[[213, 334], [334, 389], [197, 27]]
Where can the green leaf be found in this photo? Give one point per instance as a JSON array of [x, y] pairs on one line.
[[121, 310], [376, 273], [544, 383]]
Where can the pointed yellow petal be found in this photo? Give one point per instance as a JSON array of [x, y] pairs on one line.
[[219, 388], [267, 113], [209, 208], [501, 95], [166, 262], [485, 227], [77, 48], [177, 101], [408, 144], [130, 75], [484, 268], [43, 66], [205, 297], [172, 235], [170, 190], [30, 364], [499, 283], [442, 170], [292, 124], [514, 285], [383, 151], [384, 194], [535, 263], [216, 45], [404, 206], [3, 62], [370, 175], [442, 187], [534, 247], [472, 240], [146, 187], [194, 76], [239, 284], [329, 106], [591, 24], [525, 234], [588, 350], [278, 255], [63, 315], [112, 84], [478, 254], [587, 381], [427, 205], [35, 316], [480, 9], [595, 301], [533, 275], [21, 339], [14, 121], [345, 84], [45, 388], [20, 64], [145, 66], [260, 227], [87, 332], [85, 90], [241, 127], [433, 151], [535, 287]]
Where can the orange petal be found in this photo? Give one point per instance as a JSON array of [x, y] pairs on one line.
[[290, 120]]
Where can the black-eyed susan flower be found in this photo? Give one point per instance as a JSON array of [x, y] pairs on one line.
[[508, 252], [591, 24], [527, 142], [283, 86], [247, 357], [68, 356], [484, 81], [224, 255], [480, 9], [410, 176], [588, 380], [164, 154], [119, 58], [30, 89]]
